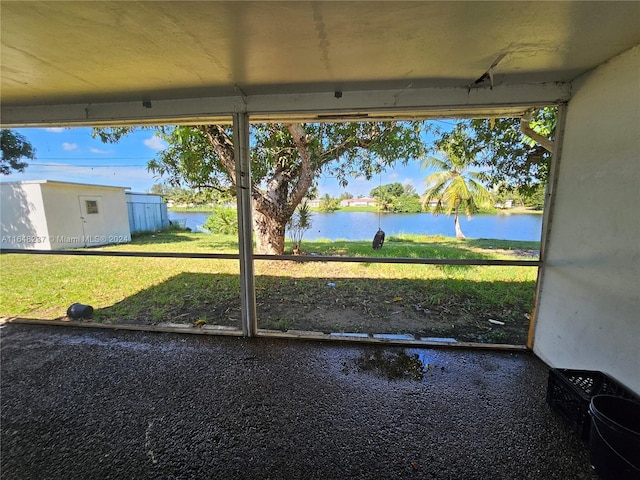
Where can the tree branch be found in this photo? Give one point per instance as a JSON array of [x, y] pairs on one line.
[[223, 146], [301, 141]]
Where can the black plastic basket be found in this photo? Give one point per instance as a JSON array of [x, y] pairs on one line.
[[569, 393]]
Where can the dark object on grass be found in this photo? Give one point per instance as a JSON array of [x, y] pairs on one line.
[[77, 311], [378, 240]]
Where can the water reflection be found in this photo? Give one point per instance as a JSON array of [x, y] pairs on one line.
[[395, 365]]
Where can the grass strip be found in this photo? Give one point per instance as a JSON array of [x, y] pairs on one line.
[[425, 300]]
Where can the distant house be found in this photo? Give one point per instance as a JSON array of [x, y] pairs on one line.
[[50, 215], [314, 203], [358, 202], [506, 204]]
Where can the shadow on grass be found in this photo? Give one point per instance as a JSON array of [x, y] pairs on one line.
[[185, 242], [146, 238], [443, 307], [183, 298]]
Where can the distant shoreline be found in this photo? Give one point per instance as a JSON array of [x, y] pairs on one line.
[[497, 211]]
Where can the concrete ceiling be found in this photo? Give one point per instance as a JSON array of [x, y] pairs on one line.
[[92, 53]]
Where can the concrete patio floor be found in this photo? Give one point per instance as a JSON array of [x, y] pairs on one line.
[[83, 403]]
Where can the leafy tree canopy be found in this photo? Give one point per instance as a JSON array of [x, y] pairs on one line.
[[328, 204], [407, 204], [15, 149], [387, 191], [456, 186], [286, 160], [202, 196], [511, 160], [398, 198]]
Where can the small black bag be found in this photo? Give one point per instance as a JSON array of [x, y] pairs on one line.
[[78, 311], [378, 240]]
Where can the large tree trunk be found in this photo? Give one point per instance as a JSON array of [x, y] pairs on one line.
[[269, 233], [273, 206]]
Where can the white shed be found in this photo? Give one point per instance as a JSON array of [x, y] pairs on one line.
[[50, 215]]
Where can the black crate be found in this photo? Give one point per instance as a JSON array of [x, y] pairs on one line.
[[569, 393]]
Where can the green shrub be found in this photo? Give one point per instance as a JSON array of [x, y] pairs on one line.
[[298, 224], [223, 221], [406, 204]]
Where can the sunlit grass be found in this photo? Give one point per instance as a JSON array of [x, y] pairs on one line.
[[151, 290]]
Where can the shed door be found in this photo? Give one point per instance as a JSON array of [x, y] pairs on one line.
[[92, 218]]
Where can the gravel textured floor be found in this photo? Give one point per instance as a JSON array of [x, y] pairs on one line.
[[93, 404]]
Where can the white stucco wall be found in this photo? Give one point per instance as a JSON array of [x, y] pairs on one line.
[[22, 218], [64, 217], [47, 215], [588, 313]]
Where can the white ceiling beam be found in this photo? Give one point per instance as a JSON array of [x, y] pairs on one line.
[[502, 100]]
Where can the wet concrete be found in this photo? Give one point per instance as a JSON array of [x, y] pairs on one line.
[[80, 403]]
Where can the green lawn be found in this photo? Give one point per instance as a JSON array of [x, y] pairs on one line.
[[431, 300]]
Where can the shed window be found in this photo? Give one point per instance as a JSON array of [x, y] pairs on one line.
[[92, 206]]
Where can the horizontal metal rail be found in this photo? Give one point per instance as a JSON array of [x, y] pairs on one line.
[[291, 258], [102, 253]]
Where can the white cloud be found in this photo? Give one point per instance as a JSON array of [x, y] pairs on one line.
[[393, 176], [69, 146], [408, 181], [55, 129], [155, 143], [97, 150]]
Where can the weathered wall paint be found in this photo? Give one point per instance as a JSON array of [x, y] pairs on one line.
[[589, 307], [147, 213]]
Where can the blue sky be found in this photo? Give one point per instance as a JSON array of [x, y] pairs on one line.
[[72, 155]]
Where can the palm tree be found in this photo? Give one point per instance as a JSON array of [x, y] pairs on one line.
[[454, 187]]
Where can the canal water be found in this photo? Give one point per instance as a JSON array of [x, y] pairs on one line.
[[363, 225]]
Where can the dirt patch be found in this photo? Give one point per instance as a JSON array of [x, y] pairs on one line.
[[522, 253], [401, 319], [446, 304], [368, 312]]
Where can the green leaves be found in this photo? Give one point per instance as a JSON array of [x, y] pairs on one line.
[[298, 225], [514, 160], [224, 220], [113, 134], [328, 204], [455, 186], [285, 158], [15, 147], [398, 198]]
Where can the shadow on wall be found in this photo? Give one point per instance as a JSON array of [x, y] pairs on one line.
[[16, 224]]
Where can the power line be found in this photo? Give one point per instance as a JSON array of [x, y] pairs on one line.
[[92, 158], [126, 165]]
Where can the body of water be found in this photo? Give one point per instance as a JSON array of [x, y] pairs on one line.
[[364, 225]]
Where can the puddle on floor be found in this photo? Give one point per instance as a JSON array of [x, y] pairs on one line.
[[394, 365]]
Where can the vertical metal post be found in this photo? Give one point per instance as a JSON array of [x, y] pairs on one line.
[[245, 224], [547, 217]]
